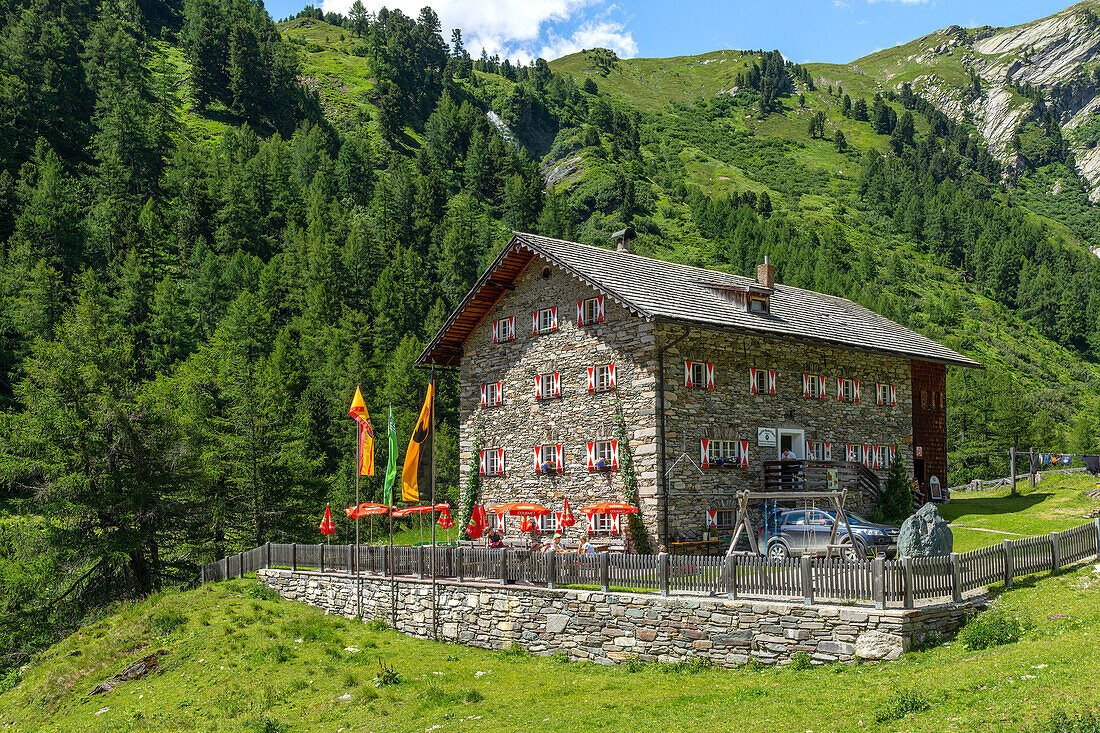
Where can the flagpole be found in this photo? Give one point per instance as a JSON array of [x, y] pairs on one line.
[[358, 469], [435, 604], [389, 500]]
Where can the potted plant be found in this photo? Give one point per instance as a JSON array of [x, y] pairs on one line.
[[548, 467], [719, 462], [603, 464]]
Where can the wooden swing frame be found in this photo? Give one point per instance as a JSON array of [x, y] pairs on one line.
[[837, 499]]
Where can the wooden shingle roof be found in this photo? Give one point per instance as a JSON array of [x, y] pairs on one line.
[[659, 290]]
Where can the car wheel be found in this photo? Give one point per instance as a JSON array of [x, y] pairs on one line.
[[777, 550], [856, 552]]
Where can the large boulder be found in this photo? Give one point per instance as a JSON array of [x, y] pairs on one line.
[[879, 645], [925, 534]]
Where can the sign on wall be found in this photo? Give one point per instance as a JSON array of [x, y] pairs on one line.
[[766, 437], [833, 479], [918, 452]]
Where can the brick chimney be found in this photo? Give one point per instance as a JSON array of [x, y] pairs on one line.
[[765, 274], [624, 240]]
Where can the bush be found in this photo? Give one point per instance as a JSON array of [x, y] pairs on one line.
[[471, 696], [800, 660], [261, 592], [377, 624], [1060, 722], [264, 724], [9, 679], [903, 703], [165, 621], [992, 628]]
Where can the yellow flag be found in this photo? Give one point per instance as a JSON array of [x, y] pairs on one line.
[[418, 458], [366, 434]]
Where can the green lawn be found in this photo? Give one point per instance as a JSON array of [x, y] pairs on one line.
[[983, 518], [238, 662]]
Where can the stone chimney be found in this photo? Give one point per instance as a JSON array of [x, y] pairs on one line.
[[765, 274], [624, 240]]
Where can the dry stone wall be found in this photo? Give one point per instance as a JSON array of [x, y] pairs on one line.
[[730, 411], [613, 627]]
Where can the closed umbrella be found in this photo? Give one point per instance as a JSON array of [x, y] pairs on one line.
[[567, 519], [327, 527]]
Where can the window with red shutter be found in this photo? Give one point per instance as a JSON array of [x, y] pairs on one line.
[[710, 376]]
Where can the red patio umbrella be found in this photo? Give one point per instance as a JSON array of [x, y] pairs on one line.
[[567, 519], [610, 507], [528, 525], [520, 509], [478, 523], [327, 527], [411, 510], [366, 509], [445, 521]]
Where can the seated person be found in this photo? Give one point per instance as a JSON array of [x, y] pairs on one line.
[[495, 540], [586, 548], [554, 545]]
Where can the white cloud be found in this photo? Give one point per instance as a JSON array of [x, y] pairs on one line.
[[902, 2], [518, 30], [842, 4]]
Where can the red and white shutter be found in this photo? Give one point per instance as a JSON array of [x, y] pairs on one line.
[[555, 385], [754, 382], [611, 376], [810, 449], [712, 518], [501, 518], [590, 460], [484, 398], [535, 323], [878, 393], [850, 453], [744, 454], [500, 461], [771, 381], [496, 332], [614, 454], [865, 455], [893, 395], [615, 523], [599, 309], [538, 387], [805, 385], [481, 459], [709, 369], [687, 374], [554, 318], [876, 457], [591, 379], [538, 459], [592, 523], [855, 385], [840, 389], [821, 386], [704, 458], [828, 451], [580, 312], [500, 393], [559, 457], [891, 454]]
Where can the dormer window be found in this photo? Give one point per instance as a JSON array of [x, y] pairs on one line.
[[751, 298], [758, 303]]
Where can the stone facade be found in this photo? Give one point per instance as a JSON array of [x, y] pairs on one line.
[[573, 419], [612, 627], [629, 413], [730, 411]]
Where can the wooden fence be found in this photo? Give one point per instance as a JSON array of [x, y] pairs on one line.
[[879, 581]]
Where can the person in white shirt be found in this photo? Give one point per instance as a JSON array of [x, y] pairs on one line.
[[788, 455], [586, 548]]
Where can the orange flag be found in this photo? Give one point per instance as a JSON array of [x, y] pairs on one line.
[[366, 434]]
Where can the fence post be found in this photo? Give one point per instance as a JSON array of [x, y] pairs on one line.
[[878, 581], [267, 555], [225, 561], [732, 561], [605, 572], [420, 561], [1055, 560], [807, 568], [240, 564], [907, 565], [956, 578], [458, 563], [351, 566], [1006, 550], [551, 569], [294, 557], [662, 572], [321, 554], [202, 575], [386, 560], [504, 566]]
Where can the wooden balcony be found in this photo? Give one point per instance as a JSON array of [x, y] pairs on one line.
[[814, 476]]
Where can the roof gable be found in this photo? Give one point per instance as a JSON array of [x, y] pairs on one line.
[[656, 289]]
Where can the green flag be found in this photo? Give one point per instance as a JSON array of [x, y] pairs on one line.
[[391, 462]]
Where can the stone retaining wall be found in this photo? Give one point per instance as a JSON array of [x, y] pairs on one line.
[[613, 627]]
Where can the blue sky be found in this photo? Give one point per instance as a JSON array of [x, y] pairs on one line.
[[804, 30]]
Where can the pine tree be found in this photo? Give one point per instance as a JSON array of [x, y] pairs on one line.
[[896, 502]]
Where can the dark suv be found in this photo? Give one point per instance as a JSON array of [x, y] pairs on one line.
[[806, 531]]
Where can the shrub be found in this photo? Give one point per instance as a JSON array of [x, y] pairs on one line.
[[261, 592], [471, 696], [560, 658], [800, 660], [633, 664], [903, 703], [264, 724], [165, 621], [313, 628], [1060, 722], [992, 628], [9, 680], [386, 675], [377, 624]]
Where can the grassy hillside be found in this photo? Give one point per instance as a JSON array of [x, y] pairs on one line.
[[233, 658]]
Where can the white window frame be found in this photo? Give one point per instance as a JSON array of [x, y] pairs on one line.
[[819, 450], [494, 394], [590, 311], [603, 378], [546, 522], [731, 451], [726, 519], [604, 451], [849, 390], [546, 320], [493, 466], [698, 374], [505, 326], [769, 378], [546, 382], [603, 523]]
